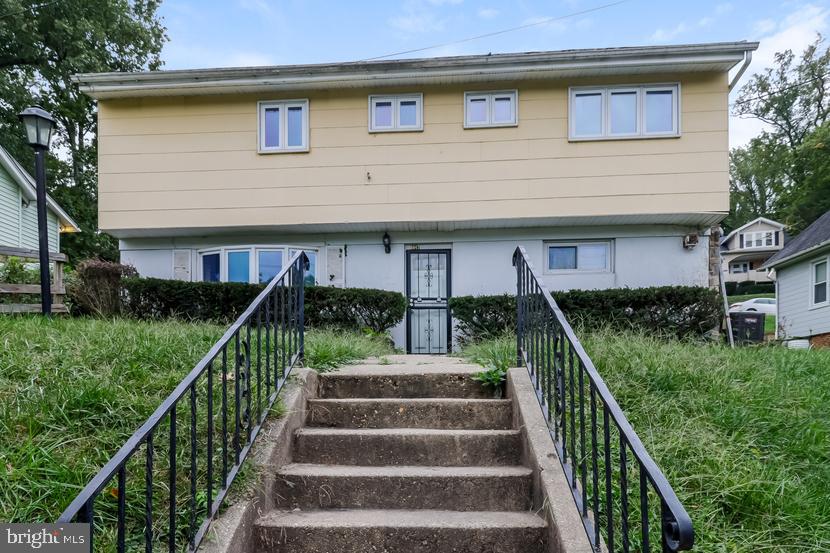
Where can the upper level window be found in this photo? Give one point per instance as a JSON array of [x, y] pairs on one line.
[[819, 290], [490, 109], [579, 256], [283, 126], [624, 112], [402, 112], [760, 239]]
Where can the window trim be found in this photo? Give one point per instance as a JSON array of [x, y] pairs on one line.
[[489, 96], [283, 105], [253, 258], [742, 264], [396, 100], [609, 258], [813, 283], [763, 233], [642, 89]]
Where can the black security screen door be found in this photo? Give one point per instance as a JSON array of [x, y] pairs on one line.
[[428, 291]]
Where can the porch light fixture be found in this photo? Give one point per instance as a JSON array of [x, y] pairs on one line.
[[387, 242], [39, 124]]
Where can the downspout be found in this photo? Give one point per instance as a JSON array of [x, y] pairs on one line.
[[740, 73]]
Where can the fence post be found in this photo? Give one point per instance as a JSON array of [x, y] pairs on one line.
[[517, 262], [304, 264]]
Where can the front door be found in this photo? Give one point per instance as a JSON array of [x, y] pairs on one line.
[[428, 290]]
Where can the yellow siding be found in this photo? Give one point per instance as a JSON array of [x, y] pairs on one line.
[[192, 162]]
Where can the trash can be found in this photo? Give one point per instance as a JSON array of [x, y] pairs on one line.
[[747, 327]]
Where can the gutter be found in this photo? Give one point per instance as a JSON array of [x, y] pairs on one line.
[[417, 71], [739, 74]]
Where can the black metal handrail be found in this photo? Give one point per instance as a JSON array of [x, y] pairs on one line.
[[143, 508], [560, 370]]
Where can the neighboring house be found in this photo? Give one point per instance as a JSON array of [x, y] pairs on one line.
[[802, 284], [18, 210], [609, 165], [745, 250]]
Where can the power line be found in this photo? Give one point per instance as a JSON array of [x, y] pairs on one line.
[[503, 31], [32, 7], [782, 89]]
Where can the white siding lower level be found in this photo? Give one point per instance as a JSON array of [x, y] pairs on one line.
[[796, 319], [641, 256]]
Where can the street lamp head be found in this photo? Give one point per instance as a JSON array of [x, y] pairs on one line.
[[39, 124]]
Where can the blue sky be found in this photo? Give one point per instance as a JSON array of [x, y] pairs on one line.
[[219, 33]]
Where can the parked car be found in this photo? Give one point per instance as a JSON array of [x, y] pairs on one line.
[[761, 305]]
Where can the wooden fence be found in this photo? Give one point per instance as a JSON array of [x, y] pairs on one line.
[[58, 289]]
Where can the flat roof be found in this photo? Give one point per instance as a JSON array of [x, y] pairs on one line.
[[720, 56]]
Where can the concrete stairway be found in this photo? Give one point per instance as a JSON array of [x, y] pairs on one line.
[[404, 458]]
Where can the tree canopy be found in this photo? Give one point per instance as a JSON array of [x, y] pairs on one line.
[[782, 173], [42, 44]]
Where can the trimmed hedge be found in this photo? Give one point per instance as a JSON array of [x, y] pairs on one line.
[[352, 308], [676, 310], [749, 287]]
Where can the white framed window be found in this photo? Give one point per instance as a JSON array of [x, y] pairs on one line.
[[819, 283], [283, 126], [740, 267], [400, 112], [641, 111], [491, 109], [250, 264], [759, 239], [583, 256]]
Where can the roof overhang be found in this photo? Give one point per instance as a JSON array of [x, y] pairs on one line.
[[690, 222], [794, 258], [29, 189], [423, 71]]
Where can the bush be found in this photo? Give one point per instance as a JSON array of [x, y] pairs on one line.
[[676, 310], [95, 287], [345, 308], [749, 287], [353, 308]]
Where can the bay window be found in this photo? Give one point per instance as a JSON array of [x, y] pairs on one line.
[[251, 264]]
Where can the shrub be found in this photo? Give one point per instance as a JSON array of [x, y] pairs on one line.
[[750, 287], [345, 308], [676, 310], [95, 287], [14, 270], [353, 308]]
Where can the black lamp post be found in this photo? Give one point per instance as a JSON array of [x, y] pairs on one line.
[[39, 124]]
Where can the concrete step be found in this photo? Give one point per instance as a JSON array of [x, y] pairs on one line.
[[411, 413], [400, 531], [308, 486], [407, 446], [377, 382]]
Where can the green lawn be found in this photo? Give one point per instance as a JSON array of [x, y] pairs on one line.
[[73, 390], [743, 435]]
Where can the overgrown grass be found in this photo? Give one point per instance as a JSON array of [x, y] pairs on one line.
[[499, 353], [742, 435], [73, 390], [328, 349]]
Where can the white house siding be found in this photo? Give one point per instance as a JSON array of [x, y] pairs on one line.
[[481, 259], [795, 318], [18, 223], [9, 211]]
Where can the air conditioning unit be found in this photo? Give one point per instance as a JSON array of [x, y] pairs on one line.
[[690, 241]]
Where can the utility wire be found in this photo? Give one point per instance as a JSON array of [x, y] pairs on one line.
[[782, 89], [503, 31], [32, 7]]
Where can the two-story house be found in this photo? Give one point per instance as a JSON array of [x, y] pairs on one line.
[[423, 175], [745, 250]]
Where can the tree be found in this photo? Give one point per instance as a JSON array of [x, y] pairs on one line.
[[811, 199], [756, 181], [42, 44], [774, 175]]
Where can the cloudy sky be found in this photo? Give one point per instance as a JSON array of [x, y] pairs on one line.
[[219, 33]]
